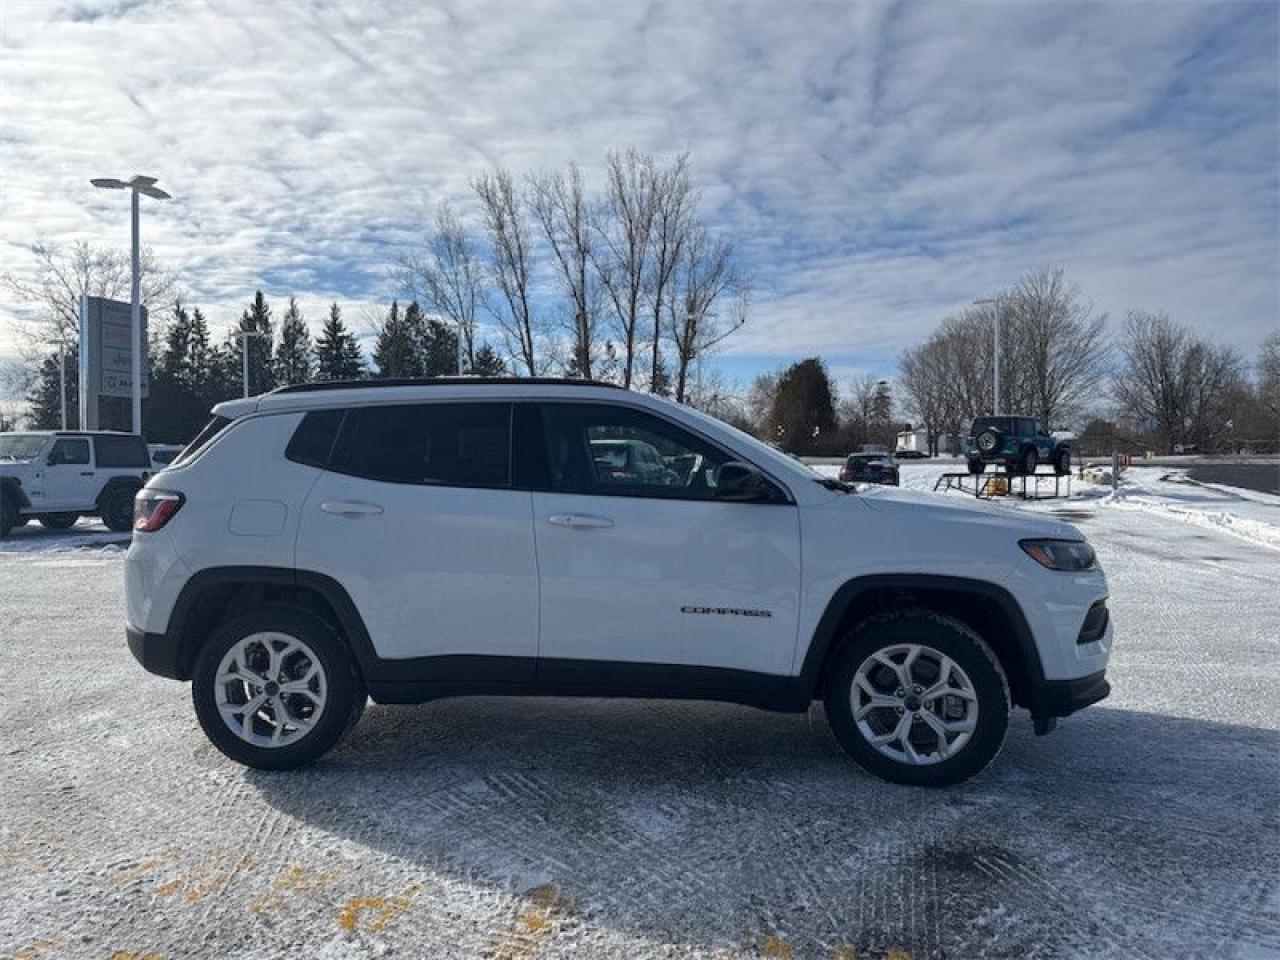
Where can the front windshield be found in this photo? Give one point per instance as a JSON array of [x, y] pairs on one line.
[[21, 446]]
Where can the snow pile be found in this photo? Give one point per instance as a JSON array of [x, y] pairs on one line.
[[1244, 513]]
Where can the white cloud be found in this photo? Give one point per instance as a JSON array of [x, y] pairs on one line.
[[880, 165]]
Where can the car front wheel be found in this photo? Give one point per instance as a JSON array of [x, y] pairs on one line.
[[275, 688], [918, 698]]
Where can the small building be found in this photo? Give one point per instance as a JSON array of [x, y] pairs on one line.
[[917, 441]]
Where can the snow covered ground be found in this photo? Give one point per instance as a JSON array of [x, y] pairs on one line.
[[1145, 827]]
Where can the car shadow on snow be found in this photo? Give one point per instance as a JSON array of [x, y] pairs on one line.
[[712, 826]]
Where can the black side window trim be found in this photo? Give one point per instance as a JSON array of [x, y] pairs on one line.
[[341, 449], [540, 482]]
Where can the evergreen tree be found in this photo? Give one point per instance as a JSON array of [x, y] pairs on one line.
[[45, 397], [257, 319], [338, 354], [487, 363], [436, 344], [293, 354], [395, 351], [803, 413]]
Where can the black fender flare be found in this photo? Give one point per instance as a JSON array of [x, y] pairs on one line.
[[826, 635], [339, 601], [12, 487]]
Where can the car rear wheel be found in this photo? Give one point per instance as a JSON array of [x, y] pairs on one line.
[[275, 688], [58, 521], [1028, 462], [8, 514], [1062, 463], [117, 510], [976, 466], [918, 698]]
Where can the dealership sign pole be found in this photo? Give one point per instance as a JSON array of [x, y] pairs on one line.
[[139, 184]]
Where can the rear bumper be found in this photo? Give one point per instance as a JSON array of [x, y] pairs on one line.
[[156, 652], [1061, 698]]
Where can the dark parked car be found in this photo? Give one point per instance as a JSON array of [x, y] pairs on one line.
[[870, 468], [1018, 443]]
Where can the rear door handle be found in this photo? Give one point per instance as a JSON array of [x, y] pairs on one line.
[[351, 508], [579, 521]]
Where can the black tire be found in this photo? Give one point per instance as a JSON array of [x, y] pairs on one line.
[[117, 508], [947, 636], [976, 466], [1028, 462], [344, 700], [58, 521], [1062, 462], [8, 515]]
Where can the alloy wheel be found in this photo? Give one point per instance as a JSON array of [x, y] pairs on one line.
[[914, 704], [270, 689]]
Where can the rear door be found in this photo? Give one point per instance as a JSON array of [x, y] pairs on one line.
[[651, 568], [417, 518]]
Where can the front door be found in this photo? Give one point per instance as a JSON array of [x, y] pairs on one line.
[[639, 562], [417, 519], [68, 476]]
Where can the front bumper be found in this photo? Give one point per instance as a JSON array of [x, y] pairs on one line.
[[1051, 699], [156, 652]]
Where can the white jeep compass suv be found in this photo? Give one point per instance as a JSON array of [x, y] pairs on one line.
[[322, 544]]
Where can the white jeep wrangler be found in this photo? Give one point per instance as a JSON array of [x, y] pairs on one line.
[[323, 544], [57, 477]]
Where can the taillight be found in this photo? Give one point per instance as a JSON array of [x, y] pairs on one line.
[[152, 509]]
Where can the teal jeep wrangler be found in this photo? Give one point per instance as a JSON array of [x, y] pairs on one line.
[[1020, 444]]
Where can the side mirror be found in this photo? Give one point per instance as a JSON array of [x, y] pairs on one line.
[[742, 483]]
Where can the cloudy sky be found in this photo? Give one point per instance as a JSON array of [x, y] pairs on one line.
[[879, 164]]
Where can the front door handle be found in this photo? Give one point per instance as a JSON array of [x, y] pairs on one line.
[[351, 508], [579, 521]]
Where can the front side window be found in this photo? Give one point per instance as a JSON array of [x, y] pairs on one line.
[[453, 444], [71, 451], [602, 449]]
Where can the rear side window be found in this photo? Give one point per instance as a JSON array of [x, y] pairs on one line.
[[313, 440], [202, 440], [121, 453], [452, 444]]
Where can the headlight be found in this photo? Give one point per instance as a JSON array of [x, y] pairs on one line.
[[1060, 554]]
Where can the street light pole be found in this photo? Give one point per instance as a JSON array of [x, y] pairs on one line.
[[62, 378], [139, 184], [243, 336], [995, 355]]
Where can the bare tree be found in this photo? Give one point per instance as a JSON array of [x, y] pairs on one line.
[[625, 227], [1053, 347], [673, 202], [561, 209], [448, 278], [1173, 382], [511, 265], [61, 276], [697, 316], [921, 380]]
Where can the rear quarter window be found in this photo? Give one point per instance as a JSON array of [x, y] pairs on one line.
[[312, 442], [121, 453], [202, 440]]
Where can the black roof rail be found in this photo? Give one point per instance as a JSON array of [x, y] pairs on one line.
[[441, 382]]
